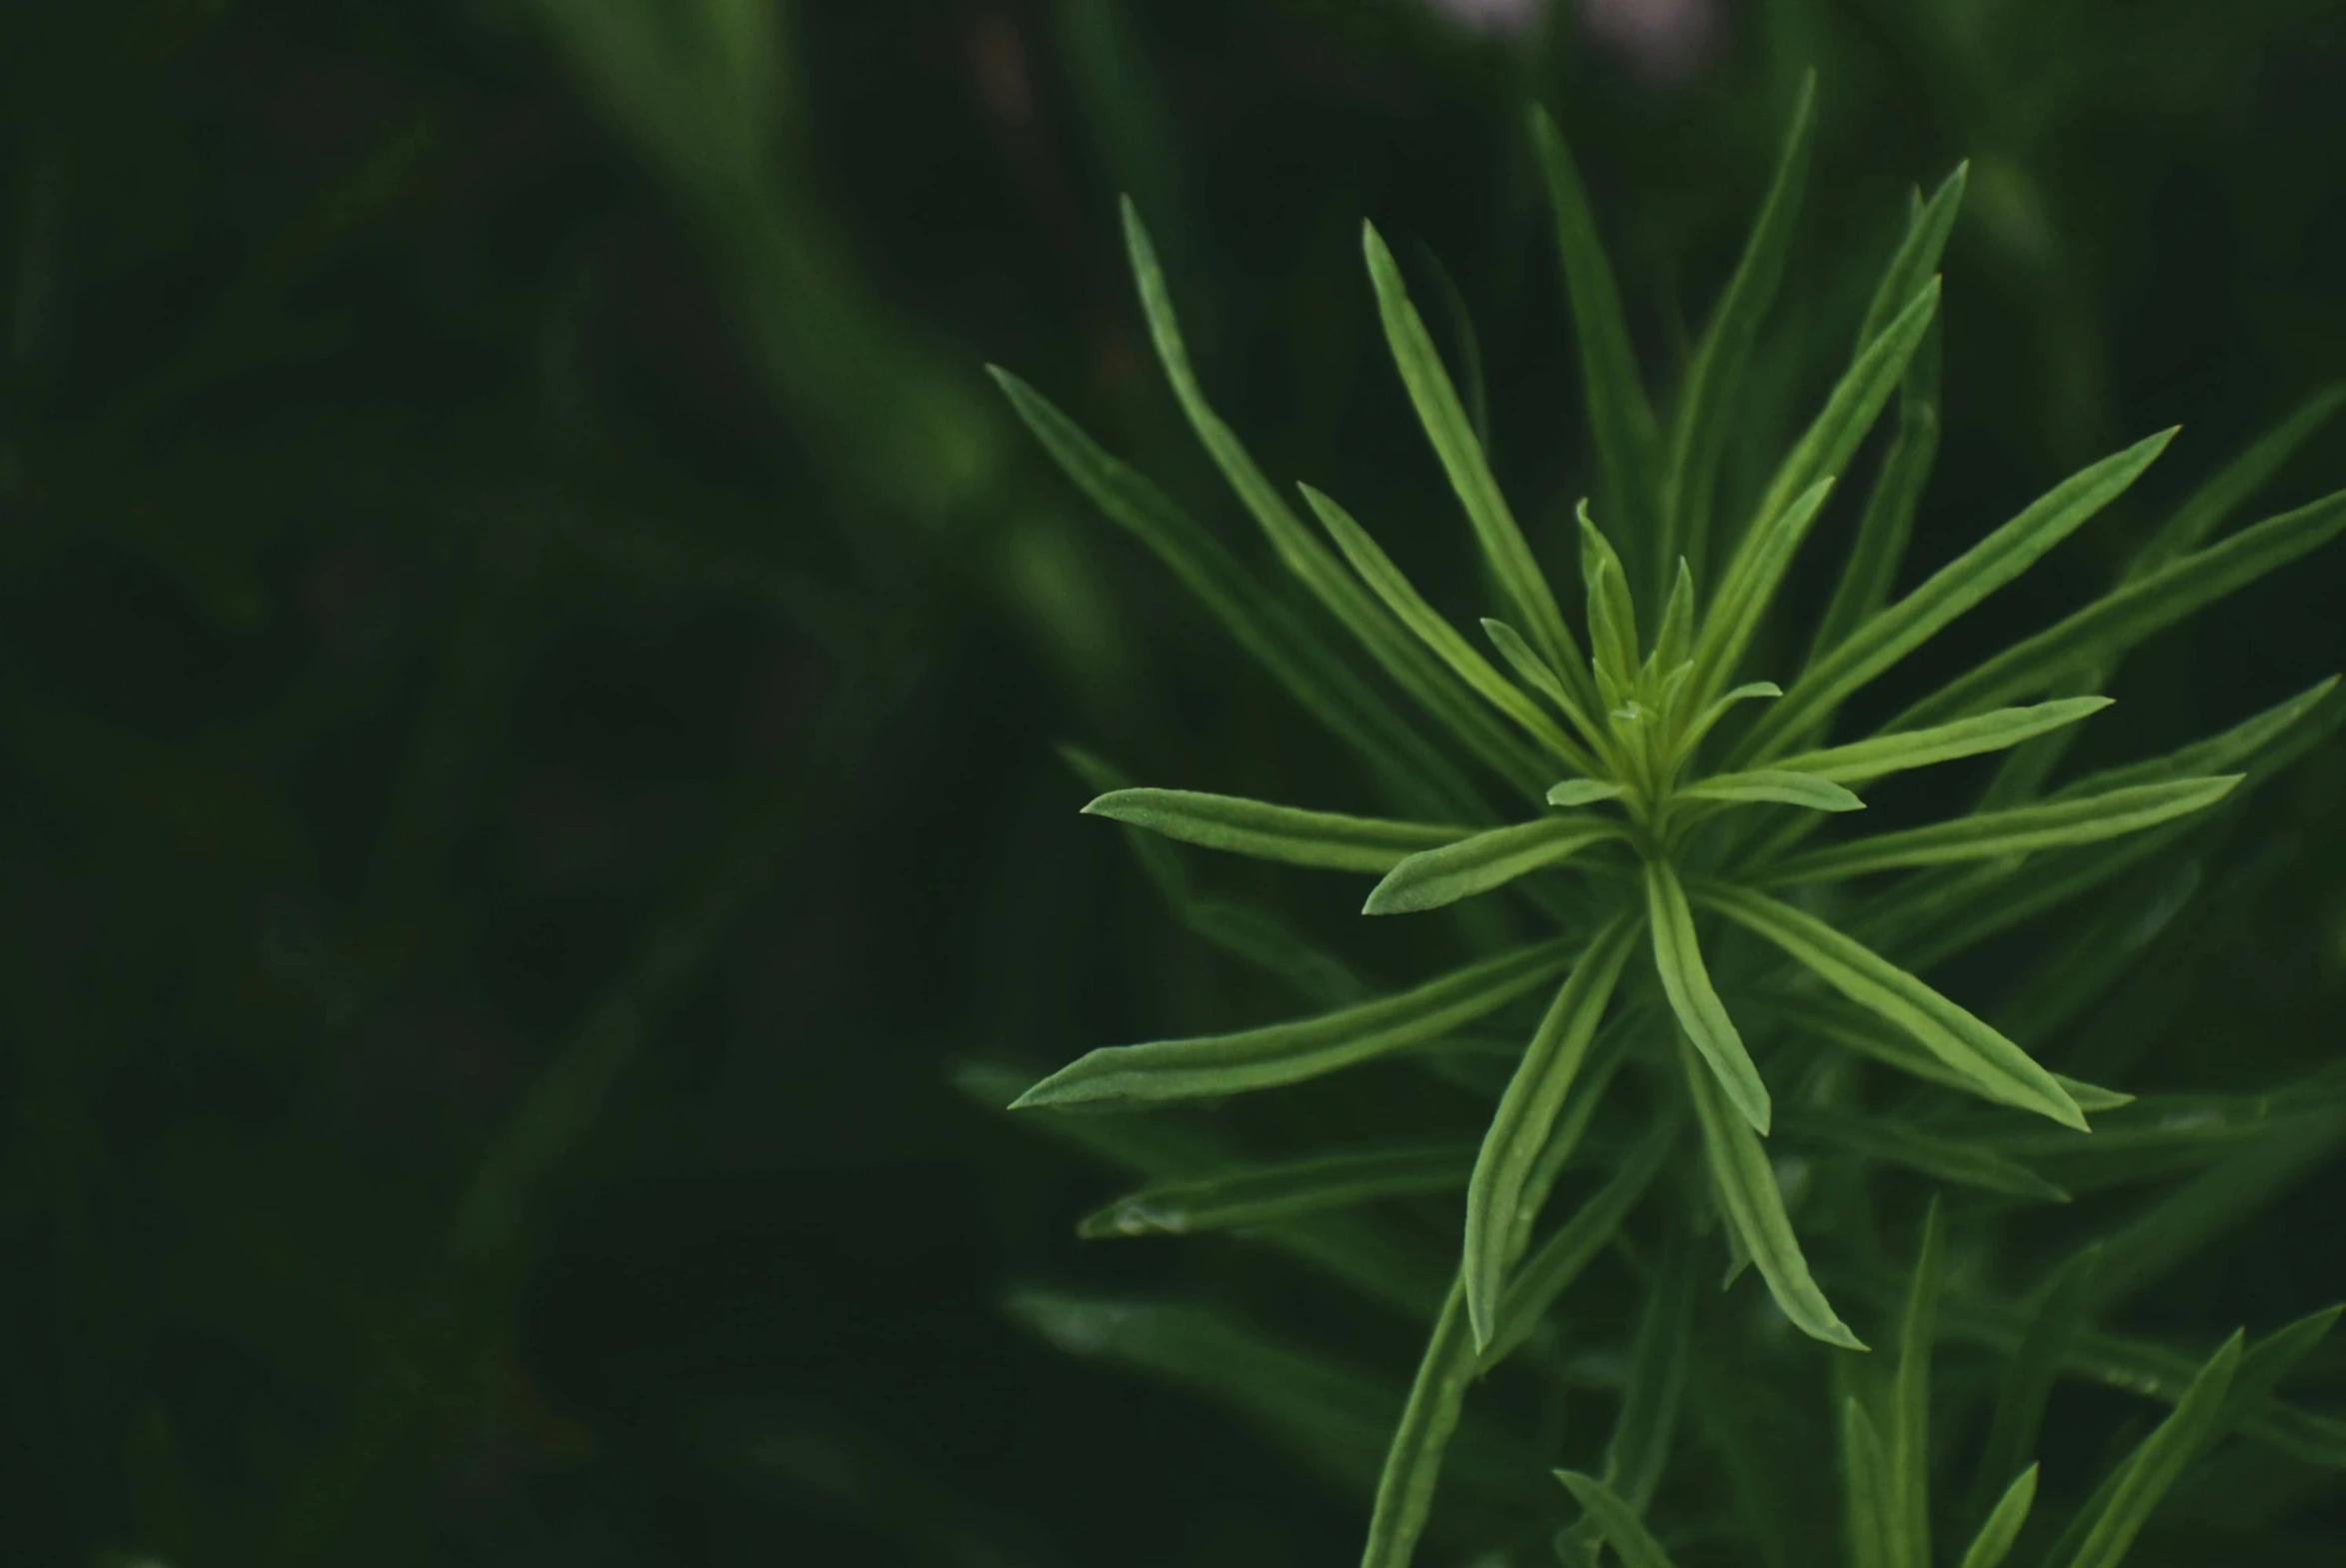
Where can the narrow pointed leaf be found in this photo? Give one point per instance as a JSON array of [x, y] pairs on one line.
[[1993, 1543], [1897, 630], [1410, 663], [1550, 1269], [1917, 255], [1991, 834], [1629, 441], [1907, 1518], [2123, 1504], [1711, 716], [1378, 570], [1446, 426], [1904, 748], [1412, 1462], [1581, 792], [1675, 642], [1526, 1113], [1914, 1145], [1263, 1194], [1677, 958], [1972, 1048], [2257, 746], [1754, 1206], [1125, 1075], [1612, 615], [1865, 1482], [1706, 402], [1536, 672], [1775, 786], [1638, 1451], [1269, 633], [2234, 483], [1618, 1521], [1869, 1034], [1887, 522], [1273, 833], [2108, 627], [1435, 877], [1752, 580]]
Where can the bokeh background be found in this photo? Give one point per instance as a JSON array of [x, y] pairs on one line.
[[531, 658]]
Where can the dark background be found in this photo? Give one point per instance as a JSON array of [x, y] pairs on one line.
[[529, 657]]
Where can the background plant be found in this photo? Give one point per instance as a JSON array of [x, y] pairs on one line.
[[471, 708]]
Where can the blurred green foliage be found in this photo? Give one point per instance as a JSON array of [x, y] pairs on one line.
[[530, 660]]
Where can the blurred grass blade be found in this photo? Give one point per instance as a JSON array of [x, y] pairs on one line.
[[2000, 1069], [1774, 785], [1410, 663], [1273, 833], [1465, 340], [2098, 634], [1640, 1449], [1714, 376], [1621, 419], [1260, 1195], [1434, 878], [1618, 1520], [1790, 506], [1746, 1188], [1902, 750], [1905, 626], [1438, 410], [2100, 1535], [1993, 1543], [1906, 1519], [1312, 674], [2258, 745], [2234, 483], [1526, 1113], [1552, 1267], [2266, 1362], [1581, 792], [1677, 959], [1378, 570], [1865, 1484], [1888, 518], [1917, 256], [1891, 1140], [1536, 672], [1992, 835], [1128, 1075]]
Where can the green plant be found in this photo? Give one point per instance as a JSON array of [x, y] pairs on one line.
[[1667, 856]]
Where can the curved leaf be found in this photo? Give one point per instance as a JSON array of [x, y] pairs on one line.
[[1260, 1195], [1993, 1543], [1775, 786], [1902, 750], [1618, 1520], [1677, 958], [1434, 878], [1273, 833]]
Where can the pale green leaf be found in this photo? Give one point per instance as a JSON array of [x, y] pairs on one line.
[[1612, 617], [1904, 748], [1552, 1267], [1677, 958], [1758, 568], [1707, 399], [1868, 1034], [1996, 1067], [1618, 1520], [1434, 878], [1413, 1457], [1582, 791], [2094, 635], [1993, 1543], [1894, 632], [1273, 833], [1446, 426], [1126, 1075], [2025, 829], [1888, 518], [1262, 1194], [1526, 1113], [1378, 570], [1709, 718], [1400, 655], [1627, 441], [1675, 642], [1754, 1207], [1774, 785]]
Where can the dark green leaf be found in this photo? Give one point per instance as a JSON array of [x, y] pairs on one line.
[[1618, 1520], [1552, 1267], [1906, 1519], [2101, 1535], [1993, 1543], [1904, 748], [1260, 1195], [1894, 1142]]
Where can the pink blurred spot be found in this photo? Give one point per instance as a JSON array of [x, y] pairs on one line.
[[1664, 39]]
